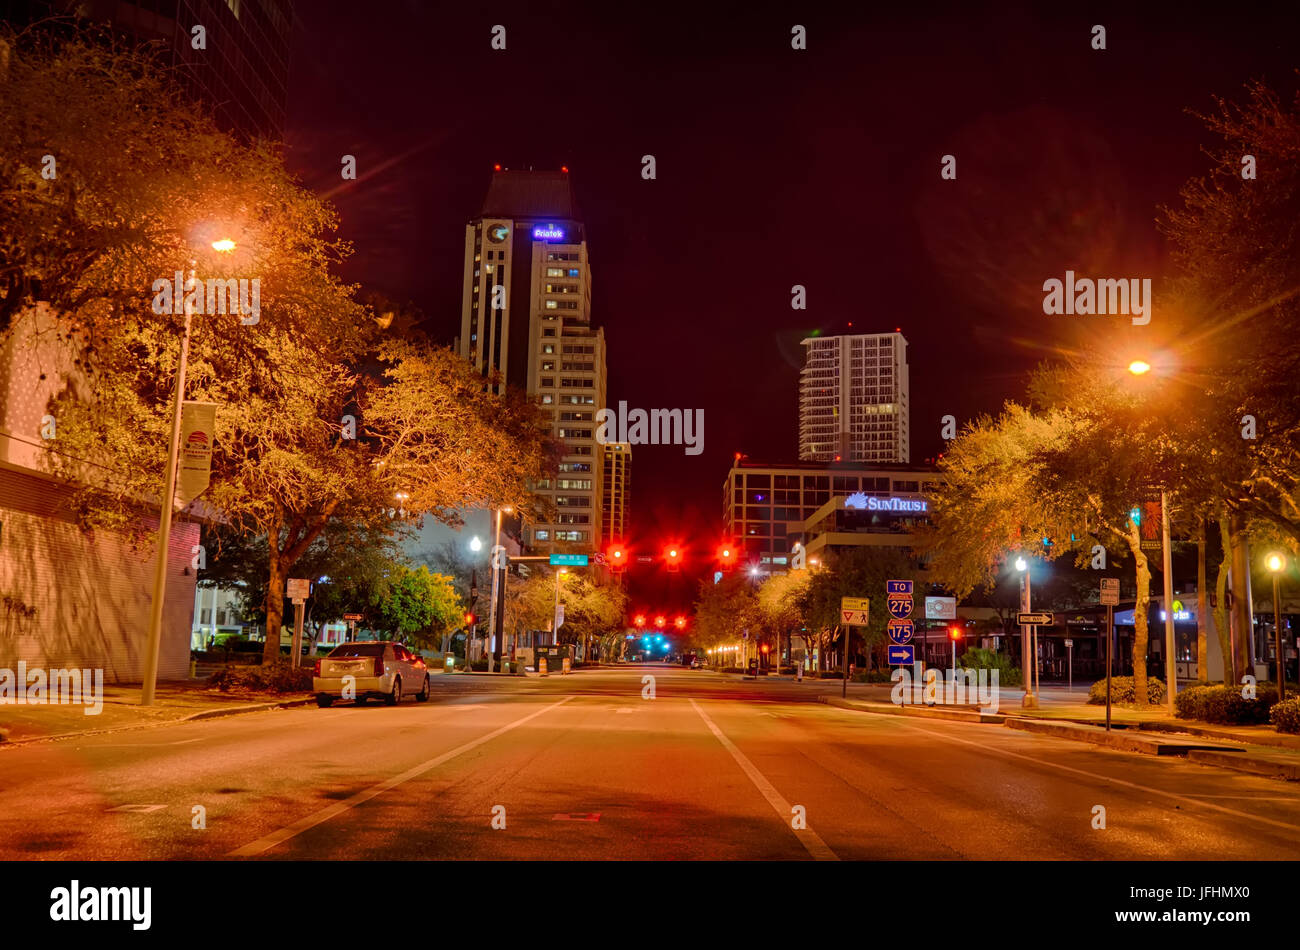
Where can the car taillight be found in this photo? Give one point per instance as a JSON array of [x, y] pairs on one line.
[[379, 666], [316, 670]]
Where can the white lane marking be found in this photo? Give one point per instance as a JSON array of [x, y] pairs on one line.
[[1107, 778], [268, 841], [137, 809], [807, 837]]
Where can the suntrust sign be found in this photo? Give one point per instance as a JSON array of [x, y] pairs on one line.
[[866, 502]]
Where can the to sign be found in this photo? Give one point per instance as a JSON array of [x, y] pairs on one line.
[[1034, 620], [898, 587], [900, 631], [1110, 591], [902, 655], [941, 608]]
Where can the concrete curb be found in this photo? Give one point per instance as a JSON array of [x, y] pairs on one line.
[[1122, 739], [1266, 738], [1269, 766], [924, 712], [193, 717]]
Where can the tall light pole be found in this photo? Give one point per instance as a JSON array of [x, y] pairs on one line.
[[1171, 659], [1275, 564], [1028, 660], [150, 683], [498, 564]]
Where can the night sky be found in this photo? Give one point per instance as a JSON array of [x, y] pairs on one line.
[[777, 167]]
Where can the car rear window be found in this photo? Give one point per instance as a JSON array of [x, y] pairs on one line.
[[359, 649]]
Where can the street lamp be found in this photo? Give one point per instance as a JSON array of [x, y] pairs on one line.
[[1139, 367], [1029, 657], [1275, 563], [169, 493], [498, 564]]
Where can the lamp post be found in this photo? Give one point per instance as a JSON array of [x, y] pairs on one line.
[[1029, 661], [150, 679], [1275, 564], [498, 559]]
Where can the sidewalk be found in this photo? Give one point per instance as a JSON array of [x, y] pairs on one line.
[[173, 702]]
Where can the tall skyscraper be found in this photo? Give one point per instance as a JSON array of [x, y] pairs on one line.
[[618, 479], [526, 314], [853, 399], [242, 71]]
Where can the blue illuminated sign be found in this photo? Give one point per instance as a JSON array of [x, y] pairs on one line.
[[865, 502], [548, 232]]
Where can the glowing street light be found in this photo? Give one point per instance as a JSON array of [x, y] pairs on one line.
[[225, 245], [1139, 367], [1275, 562]]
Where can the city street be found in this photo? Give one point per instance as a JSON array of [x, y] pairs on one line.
[[582, 766]]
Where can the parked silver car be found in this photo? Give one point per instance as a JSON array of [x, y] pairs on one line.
[[369, 668]]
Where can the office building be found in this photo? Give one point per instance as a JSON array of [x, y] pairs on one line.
[[242, 71], [853, 399], [526, 322], [618, 480], [766, 508]]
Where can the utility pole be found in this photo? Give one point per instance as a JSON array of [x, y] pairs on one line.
[[1171, 659]]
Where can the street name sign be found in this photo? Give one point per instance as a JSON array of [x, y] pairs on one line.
[[902, 655], [1033, 620], [353, 617], [569, 560], [1110, 591], [941, 608], [900, 631], [855, 603], [898, 587]]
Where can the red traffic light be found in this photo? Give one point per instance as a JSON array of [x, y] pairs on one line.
[[616, 556], [766, 648], [681, 623], [470, 619], [639, 620], [659, 621], [727, 556], [955, 633], [674, 558]]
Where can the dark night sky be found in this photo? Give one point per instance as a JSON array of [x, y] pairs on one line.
[[777, 167]]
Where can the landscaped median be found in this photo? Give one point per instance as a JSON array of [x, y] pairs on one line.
[[1256, 749], [173, 702]]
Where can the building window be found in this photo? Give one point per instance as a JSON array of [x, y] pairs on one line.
[[549, 331], [546, 399], [548, 365], [548, 380], [541, 534], [555, 272]]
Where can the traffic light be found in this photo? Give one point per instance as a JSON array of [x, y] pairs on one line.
[[681, 623], [659, 621], [639, 620], [616, 557], [674, 558], [955, 633], [727, 556], [470, 619]]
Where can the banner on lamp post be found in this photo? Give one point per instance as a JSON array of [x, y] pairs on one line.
[[198, 424]]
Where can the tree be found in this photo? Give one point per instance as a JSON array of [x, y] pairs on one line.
[[856, 572], [419, 606], [724, 610], [781, 604]]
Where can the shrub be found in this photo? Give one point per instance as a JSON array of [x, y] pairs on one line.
[[977, 658], [276, 678], [1122, 691], [1285, 716], [1225, 705]]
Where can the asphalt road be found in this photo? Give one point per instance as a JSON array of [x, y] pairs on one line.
[[584, 767]]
